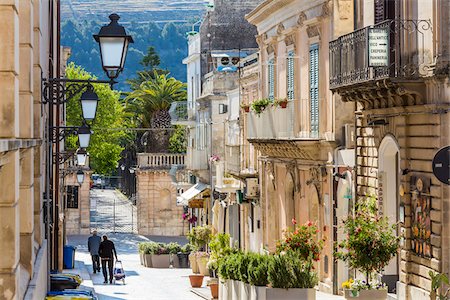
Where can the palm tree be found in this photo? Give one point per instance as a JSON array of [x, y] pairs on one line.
[[150, 105]]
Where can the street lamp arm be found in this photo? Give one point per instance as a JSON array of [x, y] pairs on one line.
[[62, 157], [57, 91], [61, 132]]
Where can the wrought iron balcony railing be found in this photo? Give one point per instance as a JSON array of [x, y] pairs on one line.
[[409, 53]]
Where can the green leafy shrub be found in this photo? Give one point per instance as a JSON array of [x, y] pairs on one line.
[[290, 271], [199, 236], [437, 282], [220, 248], [229, 267], [186, 249], [173, 247], [257, 269], [258, 106], [371, 241]]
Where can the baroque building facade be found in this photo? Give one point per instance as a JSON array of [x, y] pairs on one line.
[[297, 146], [401, 98], [29, 51]]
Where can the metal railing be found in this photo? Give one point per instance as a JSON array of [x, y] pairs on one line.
[[160, 160], [178, 111], [409, 53]]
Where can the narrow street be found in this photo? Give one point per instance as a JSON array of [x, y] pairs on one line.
[[141, 282]]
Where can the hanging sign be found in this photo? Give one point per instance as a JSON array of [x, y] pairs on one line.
[[441, 165], [378, 47]]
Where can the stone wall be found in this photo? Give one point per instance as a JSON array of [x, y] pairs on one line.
[[77, 220], [419, 132], [156, 205]]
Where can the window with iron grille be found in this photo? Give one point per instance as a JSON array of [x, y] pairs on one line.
[[271, 79], [72, 196], [314, 89], [290, 75]]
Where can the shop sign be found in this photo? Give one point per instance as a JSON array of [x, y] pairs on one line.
[[378, 47], [196, 203], [441, 165]]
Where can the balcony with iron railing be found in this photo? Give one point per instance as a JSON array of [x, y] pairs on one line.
[[399, 50], [160, 160]]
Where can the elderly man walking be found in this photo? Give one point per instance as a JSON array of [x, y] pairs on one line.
[[93, 247]]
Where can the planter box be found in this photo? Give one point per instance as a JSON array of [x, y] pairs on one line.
[[244, 291], [141, 258], [366, 295], [174, 261], [147, 260], [160, 261], [235, 290], [257, 292], [224, 290], [193, 263], [290, 294]]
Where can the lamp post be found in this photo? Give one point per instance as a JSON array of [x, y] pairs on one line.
[[113, 43]]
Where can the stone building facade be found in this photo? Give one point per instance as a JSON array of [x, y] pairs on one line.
[[402, 120], [158, 213], [296, 144], [28, 51]]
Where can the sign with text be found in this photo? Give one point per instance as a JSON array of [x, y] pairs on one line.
[[378, 47]]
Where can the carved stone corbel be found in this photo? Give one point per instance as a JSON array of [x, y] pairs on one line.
[[270, 169], [290, 39], [301, 18], [280, 28], [292, 169], [313, 31], [326, 10]]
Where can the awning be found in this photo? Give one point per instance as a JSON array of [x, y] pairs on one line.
[[224, 53], [183, 199]]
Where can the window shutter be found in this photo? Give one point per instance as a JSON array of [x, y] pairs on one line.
[[271, 79], [384, 10], [314, 89], [290, 75]]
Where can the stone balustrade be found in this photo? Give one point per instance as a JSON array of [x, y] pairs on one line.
[[160, 160]]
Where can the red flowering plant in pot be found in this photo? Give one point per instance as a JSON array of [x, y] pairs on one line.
[[302, 240]]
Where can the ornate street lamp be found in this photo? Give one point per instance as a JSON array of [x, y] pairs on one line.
[[113, 42], [84, 136], [81, 157], [80, 177], [89, 100]]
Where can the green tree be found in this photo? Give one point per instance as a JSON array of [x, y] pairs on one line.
[[104, 149], [177, 141], [150, 105]]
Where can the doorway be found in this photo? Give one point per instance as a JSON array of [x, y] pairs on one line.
[[388, 182]]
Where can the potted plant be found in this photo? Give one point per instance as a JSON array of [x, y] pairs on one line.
[[183, 256], [199, 237], [161, 256], [148, 249], [202, 261], [438, 280], [245, 107], [258, 106], [220, 248], [291, 277], [213, 284], [174, 248], [371, 243], [281, 103], [242, 273], [257, 275]]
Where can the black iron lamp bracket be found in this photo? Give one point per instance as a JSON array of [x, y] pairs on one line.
[[62, 157], [61, 90], [61, 132]]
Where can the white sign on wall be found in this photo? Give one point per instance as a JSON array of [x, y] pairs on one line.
[[378, 47]]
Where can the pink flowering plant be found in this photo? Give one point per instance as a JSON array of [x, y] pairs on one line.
[[214, 158], [302, 240], [190, 218], [371, 243]]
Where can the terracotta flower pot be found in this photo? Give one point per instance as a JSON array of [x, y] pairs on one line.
[[283, 104], [214, 290], [196, 280], [246, 109]]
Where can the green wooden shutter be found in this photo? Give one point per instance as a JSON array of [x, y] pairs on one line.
[[271, 79], [314, 89], [290, 75]]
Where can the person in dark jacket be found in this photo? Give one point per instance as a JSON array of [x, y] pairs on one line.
[[107, 253], [93, 246]]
